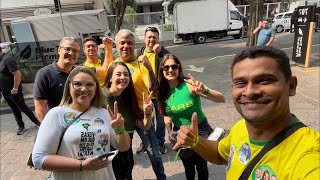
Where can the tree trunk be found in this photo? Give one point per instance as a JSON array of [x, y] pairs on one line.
[[256, 15], [119, 8]]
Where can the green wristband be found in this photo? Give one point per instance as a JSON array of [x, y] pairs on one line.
[[121, 131], [206, 91], [81, 165], [197, 141]]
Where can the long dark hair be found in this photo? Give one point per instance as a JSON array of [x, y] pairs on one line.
[[164, 84], [128, 93]]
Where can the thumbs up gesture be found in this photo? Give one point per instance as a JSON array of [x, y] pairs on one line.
[[187, 134]]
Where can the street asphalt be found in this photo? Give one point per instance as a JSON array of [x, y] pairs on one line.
[[305, 105]]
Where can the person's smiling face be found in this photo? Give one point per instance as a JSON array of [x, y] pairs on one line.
[[260, 91], [170, 69], [82, 89], [120, 78]]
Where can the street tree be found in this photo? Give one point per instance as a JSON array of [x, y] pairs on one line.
[[255, 15], [119, 9]]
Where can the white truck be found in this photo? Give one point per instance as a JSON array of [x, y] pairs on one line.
[[38, 37], [199, 20]]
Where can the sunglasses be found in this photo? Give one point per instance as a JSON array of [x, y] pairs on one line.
[[173, 67], [152, 29]]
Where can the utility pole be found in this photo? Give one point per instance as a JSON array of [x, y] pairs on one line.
[[57, 5]]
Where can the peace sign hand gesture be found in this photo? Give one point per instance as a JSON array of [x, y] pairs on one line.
[[147, 103], [198, 86], [117, 121]]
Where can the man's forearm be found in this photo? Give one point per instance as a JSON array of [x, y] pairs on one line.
[[40, 109], [270, 41], [16, 79], [256, 30], [153, 82], [108, 58]]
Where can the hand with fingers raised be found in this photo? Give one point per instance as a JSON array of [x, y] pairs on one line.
[[117, 121], [198, 86], [147, 104], [188, 135]]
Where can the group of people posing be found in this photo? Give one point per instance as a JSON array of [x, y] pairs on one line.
[[146, 87], [141, 89]]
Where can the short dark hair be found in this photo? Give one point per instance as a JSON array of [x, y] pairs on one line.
[[265, 19], [265, 51], [152, 29], [88, 39]]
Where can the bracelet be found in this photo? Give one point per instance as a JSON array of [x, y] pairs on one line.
[[15, 89], [197, 141], [206, 91], [121, 131], [81, 165]]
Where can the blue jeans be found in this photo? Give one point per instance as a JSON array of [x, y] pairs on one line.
[[149, 140], [193, 160], [161, 127]]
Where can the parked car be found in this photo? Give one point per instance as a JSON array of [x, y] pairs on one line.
[[281, 21], [6, 46]]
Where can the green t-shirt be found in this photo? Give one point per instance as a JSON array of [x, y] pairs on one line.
[[181, 104]]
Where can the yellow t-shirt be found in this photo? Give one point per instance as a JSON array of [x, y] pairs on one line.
[[101, 80], [297, 157], [152, 59], [140, 79]]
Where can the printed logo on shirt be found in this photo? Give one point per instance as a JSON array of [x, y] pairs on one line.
[[263, 172], [88, 120], [180, 107], [98, 122], [244, 153], [231, 156], [103, 142], [87, 140], [86, 126], [69, 116], [131, 71]]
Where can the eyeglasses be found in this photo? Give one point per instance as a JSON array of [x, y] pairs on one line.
[[152, 29], [173, 67], [69, 49], [78, 85], [90, 45]]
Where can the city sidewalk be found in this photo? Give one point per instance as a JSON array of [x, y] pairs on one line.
[[15, 149]]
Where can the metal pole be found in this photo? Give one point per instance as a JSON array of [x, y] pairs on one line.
[[267, 11], [64, 31]]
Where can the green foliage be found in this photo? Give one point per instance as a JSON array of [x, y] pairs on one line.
[[173, 2], [168, 27], [130, 10], [128, 19]]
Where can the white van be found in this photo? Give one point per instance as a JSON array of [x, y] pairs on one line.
[[281, 21]]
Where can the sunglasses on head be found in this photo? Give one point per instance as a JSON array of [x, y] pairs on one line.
[[173, 67], [152, 29]]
